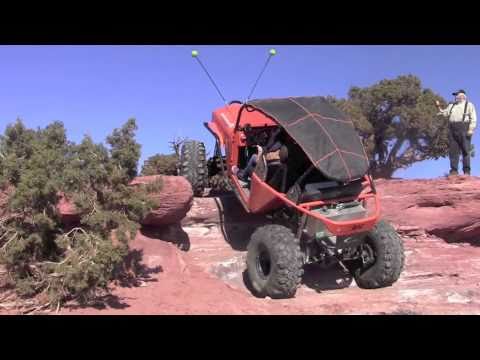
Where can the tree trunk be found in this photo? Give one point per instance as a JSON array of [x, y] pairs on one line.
[[383, 172]]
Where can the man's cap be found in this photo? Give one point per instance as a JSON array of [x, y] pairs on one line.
[[459, 92]]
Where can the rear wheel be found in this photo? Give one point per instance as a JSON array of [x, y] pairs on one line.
[[381, 258], [193, 165], [274, 262]]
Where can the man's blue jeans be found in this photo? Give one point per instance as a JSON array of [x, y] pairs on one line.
[[246, 173]]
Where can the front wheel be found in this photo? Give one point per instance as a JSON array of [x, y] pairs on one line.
[[274, 262], [381, 258]]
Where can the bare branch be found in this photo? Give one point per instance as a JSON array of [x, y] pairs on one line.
[[31, 311], [176, 143], [9, 240], [75, 230]]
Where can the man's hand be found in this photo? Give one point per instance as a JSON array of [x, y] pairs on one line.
[[437, 103], [470, 133]]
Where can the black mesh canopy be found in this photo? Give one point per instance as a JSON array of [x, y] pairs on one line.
[[323, 132]]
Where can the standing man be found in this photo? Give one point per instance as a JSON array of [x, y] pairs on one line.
[[462, 121]]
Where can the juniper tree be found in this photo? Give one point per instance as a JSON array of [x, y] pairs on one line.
[[397, 121], [160, 164], [40, 254]]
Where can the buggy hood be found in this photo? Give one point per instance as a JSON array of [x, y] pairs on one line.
[[324, 133]]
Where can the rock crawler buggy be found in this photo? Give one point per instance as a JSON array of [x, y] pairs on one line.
[[318, 192]]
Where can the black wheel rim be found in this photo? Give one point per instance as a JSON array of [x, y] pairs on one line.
[[367, 254], [264, 263]]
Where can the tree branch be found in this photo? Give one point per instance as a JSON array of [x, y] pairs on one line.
[[9, 240], [76, 229], [392, 156]]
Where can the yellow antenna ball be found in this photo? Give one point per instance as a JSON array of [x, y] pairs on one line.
[[273, 52], [194, 53]]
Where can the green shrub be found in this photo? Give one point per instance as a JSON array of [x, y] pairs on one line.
[[160, 164], [38, 253]]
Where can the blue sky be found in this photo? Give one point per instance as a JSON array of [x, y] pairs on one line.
[[93, 89]]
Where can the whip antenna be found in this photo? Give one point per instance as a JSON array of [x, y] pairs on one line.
[[271, 53], [195, 55]]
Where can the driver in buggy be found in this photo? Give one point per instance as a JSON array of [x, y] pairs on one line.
[[275, 151]]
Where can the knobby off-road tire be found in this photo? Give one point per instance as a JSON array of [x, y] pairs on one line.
[[219, 183], [274, 262], [193, 165], [389, 257]]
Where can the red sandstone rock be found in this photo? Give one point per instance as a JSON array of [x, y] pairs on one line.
[[448, 208], [172, 202], [439, 278], [67, 210]]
